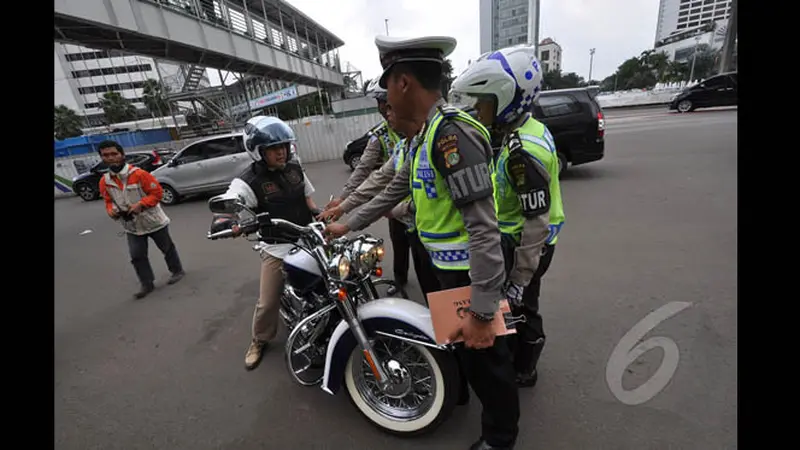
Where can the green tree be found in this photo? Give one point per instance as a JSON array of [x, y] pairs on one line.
[[554, 79], [154, 95], [447, 76], [117, 108], [66, 123]]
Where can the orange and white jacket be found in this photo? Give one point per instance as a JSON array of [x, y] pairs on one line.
[[130, 186]]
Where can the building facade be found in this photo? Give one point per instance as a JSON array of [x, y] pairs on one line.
[[504, 23], [677, 16], [82, 75], [549, 54]]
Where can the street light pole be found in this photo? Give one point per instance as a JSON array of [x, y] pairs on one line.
[[386, 21], [591, 61], [694, 57]]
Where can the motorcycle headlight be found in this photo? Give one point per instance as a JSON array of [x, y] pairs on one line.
[[340, 267], [369, 255], [344, 267]]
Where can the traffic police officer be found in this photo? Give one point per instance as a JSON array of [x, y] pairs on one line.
[[449, 177], [382, 142], [501, 86], [403, 212]]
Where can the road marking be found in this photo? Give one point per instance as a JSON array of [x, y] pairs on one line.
[[663, 125], [627, 351]]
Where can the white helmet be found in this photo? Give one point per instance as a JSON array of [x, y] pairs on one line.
[[262, 132], [375, 91], [512, 75]]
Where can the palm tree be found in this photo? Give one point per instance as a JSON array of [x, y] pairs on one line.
[[153, 93], [117, 108], [66, 123]]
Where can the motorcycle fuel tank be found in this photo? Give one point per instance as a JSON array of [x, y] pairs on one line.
[[302, 271]]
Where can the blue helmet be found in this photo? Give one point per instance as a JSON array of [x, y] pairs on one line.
[[261, 132]]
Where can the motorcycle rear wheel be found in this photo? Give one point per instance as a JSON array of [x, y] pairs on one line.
[[397, 416]]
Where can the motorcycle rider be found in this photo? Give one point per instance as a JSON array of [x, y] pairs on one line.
[[280, 187], [501, 86], [382, 142], [403, 212], [449, 177]]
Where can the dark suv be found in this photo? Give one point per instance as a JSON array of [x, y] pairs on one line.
[[573, 116], [577, 124], [87, 184]]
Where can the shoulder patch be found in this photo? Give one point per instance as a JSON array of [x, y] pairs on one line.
[[448, 146]]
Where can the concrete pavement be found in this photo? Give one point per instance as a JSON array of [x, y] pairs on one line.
[[650, 229]]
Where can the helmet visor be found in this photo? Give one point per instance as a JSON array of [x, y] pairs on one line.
[[464, 101]]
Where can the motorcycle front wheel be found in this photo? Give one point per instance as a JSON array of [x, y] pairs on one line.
[[425, 392]]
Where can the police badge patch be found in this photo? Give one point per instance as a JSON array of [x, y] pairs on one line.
[[293, 176], [451, 157], [270, 188]]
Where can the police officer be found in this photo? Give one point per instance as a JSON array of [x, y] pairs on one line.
[[501, 86], [403, 212], [278, 186], [382, 142], [449, 177]]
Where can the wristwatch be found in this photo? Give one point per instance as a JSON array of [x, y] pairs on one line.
[[482, 317]]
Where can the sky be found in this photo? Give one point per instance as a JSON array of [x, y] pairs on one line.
[[617, 29]]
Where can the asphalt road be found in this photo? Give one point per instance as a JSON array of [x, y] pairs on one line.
[[651, 226]]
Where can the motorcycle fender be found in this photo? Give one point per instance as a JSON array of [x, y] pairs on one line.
[[393, 317]]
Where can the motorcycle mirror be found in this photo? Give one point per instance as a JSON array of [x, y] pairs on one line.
[[225, 205]]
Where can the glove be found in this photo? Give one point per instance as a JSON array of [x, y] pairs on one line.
[[513, 293]]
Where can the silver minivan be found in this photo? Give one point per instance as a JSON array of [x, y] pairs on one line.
[[206, 166]]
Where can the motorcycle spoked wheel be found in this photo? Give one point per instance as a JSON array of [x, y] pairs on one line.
[[429, 387], [304, 357]]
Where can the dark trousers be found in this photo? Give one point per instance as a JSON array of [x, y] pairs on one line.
[[491, 375], [527, 344], [423, 266], [400, 248], [137, 246]]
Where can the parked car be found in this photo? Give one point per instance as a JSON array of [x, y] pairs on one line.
[[87, 185], [719, 90], [353, 151], [206, 166], [573, 116]]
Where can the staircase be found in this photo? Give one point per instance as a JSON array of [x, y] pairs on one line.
[[194, 76]]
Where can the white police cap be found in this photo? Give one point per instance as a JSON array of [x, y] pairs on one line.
[[393, 50]]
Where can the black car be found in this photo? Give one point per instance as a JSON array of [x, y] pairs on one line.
[[573, 116], [87, 184], [719, 90], [353, 151]]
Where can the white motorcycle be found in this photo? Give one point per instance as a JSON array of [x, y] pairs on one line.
[[383, 350]]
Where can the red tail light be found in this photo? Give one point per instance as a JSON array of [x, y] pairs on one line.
[[601, 124], [156, 158]]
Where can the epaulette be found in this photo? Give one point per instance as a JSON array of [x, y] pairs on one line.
[[379, 130]]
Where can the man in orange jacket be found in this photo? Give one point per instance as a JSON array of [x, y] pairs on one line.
[[133, 197]]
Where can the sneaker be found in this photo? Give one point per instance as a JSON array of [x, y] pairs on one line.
[[146, 289], [175, 277], [254, 354]]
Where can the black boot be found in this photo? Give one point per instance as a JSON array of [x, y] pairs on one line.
[[525, 361], [483, 445]]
